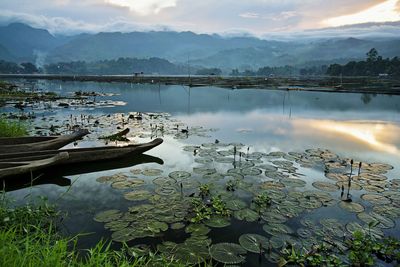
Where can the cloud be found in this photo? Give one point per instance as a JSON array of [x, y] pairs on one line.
[[387, 11], [144, 7], [63, 25], [257, 17], [249, 15]]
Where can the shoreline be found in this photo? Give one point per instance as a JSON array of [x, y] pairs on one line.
[[366, 85]]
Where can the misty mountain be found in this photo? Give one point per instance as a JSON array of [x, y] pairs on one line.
[[20, 42], [25, 42], [5, 54], [174, 46]]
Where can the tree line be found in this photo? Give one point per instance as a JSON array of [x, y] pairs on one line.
[[374, 65]]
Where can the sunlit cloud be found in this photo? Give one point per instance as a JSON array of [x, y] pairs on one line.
[[144, 7], [384, 12], [249, 15]]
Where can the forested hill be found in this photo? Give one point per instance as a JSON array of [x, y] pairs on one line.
[[374, 65], [22, 43]]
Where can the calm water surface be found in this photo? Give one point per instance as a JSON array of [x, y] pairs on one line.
[[359, 126]]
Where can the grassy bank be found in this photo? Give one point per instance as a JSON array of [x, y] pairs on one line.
[[29, 237], [9, 128]]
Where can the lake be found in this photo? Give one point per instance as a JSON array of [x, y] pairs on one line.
[[240, 138]]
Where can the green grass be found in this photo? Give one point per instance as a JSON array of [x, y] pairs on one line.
[[29, 237], [9, 128]]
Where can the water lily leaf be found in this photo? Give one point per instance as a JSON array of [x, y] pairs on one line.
[[228, 253], [253, 242], [304, 233], [177, 226], [251, 171], [292, 182], [277, 229], [324, 186], [161, 181], [137, 195], [247, 215], [235, 204], [376, 199], [152, 172], [123, 235], [224, 160], [218, 222], [166, 190], [179, 175], [197, 229], [108, 216], [351, 206], [203, 160], [204, 170], [129, 183]]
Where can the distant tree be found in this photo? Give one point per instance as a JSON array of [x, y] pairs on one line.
[[209, 71], [372, 55], [29, 68]]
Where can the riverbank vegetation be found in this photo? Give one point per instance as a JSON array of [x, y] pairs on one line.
[[10, 128], [374, 65], [29, 236]]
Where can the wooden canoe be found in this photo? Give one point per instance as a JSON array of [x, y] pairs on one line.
[[77, 155], [38, 143], [17, 168], [56, 174]]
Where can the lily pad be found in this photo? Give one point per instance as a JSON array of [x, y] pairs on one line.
[[218, 222], [204, 170], [277, 229], [137, 195], [351, 206], [161, 181], [247, 215], [376, 199], [197, 229], [253, 242], [130, 183], [152, 172], [228, 253], [235, 204], [107, 216], [179, 175], [324, 186]]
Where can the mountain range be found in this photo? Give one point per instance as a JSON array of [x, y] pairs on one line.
[[20, 42]]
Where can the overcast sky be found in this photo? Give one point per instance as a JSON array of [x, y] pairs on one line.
[[211, 16]]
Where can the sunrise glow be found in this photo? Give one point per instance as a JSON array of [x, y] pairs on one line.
[[384, 12]]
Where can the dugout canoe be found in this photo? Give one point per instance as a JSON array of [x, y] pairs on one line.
[[38, 143], [19, 163]]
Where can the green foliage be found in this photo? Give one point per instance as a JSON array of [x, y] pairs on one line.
[[29, 237], [363, 250], [262, 200], [127, 66], [231, 185], [219, 206], [319, 255], [202, 211], [204, 190], [9, 128], [372, 66], [209, 71], [14, 68]]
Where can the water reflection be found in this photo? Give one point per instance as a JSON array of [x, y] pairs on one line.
[[377, 135]]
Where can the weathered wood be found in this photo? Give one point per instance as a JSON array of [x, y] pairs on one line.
[[20, 144], [25, 140], [78, 155], [17, 168]]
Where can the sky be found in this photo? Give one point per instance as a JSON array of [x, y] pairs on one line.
[[256, 17]]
